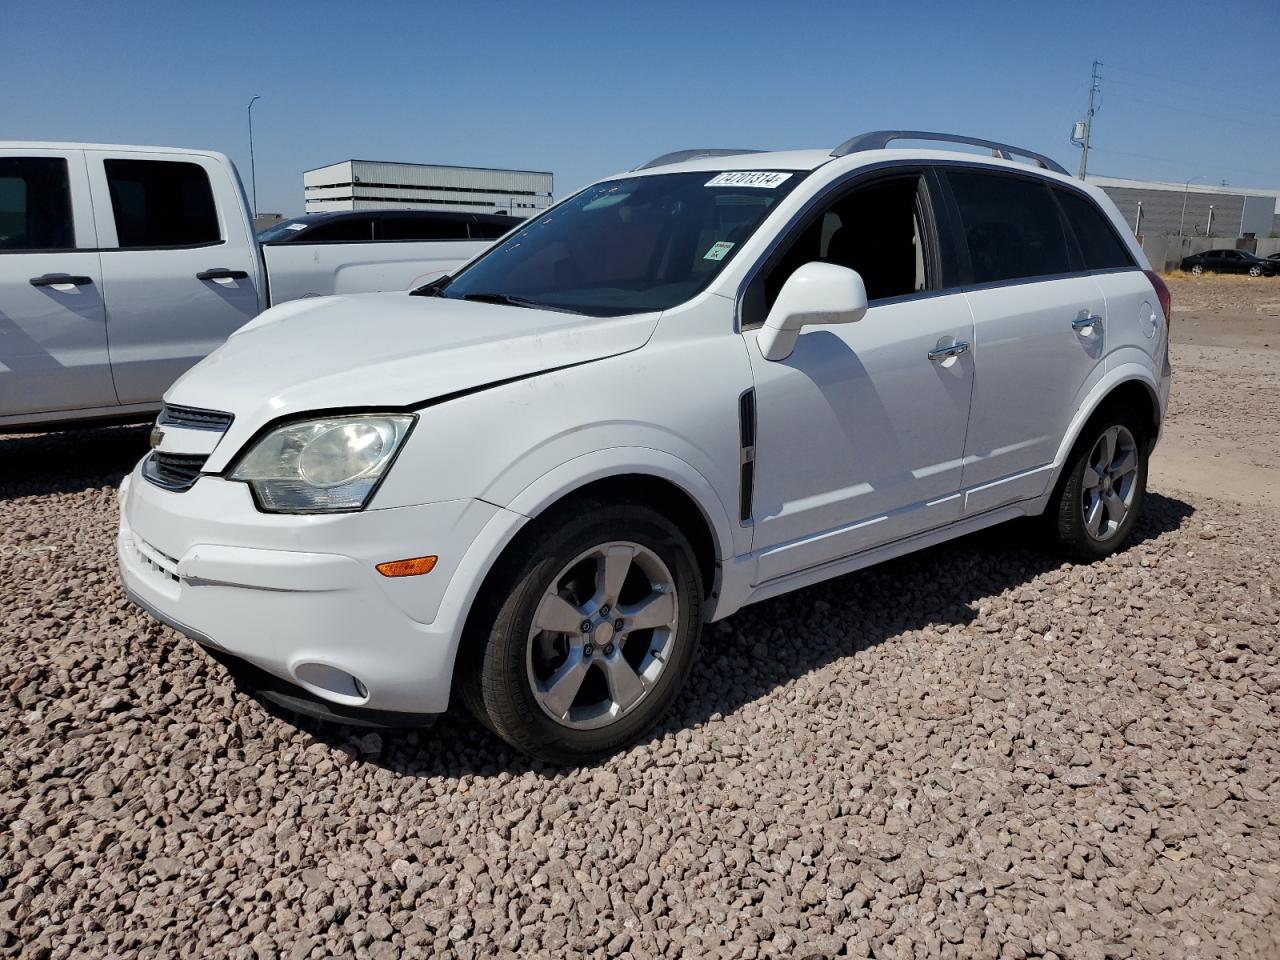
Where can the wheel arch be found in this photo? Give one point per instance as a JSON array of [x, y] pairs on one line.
[[1129, 386], [674, 487], [648, 476]]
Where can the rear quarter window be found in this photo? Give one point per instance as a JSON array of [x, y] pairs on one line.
[[1010, 225], [1099, 245]]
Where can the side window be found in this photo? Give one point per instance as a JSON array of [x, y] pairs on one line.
[[161, 203], [1101, 248], [877, 229], [35, 204], [423, 228], [341, 230], [1011, 226]]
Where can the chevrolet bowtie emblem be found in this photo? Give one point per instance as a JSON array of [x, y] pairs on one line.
[[157, 437]]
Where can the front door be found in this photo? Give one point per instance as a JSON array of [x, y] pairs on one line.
[[53, 335], [178, 264], [860, 432]]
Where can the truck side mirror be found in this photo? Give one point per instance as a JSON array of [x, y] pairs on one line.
[[816, 293]]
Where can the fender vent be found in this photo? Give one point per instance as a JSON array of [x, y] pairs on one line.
[[747, 442]]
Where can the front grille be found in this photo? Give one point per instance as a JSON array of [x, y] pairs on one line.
[[193, 418], [173, 471]]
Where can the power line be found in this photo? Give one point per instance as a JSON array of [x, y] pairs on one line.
[[1197, 113], [1183, 162]]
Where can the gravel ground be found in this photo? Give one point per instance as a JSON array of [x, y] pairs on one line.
[[973, 752]]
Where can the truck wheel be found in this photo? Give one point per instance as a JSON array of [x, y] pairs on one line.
[[1099, 495], [587, 632]]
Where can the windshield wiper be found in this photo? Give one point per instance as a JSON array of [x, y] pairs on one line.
[[508, 300], [433, 289]]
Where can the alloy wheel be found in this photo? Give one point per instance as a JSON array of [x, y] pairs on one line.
[[1109, 482], [602, 635]]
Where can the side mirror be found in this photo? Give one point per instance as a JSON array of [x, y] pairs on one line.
[[816, 293]]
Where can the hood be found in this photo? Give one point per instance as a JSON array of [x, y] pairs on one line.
[[388, 350]]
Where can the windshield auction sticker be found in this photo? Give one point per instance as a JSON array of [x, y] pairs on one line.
[[718, 250], [763, 179]]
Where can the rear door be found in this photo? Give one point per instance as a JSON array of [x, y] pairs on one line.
[[53, 336], [1039, 332], [178, 263]]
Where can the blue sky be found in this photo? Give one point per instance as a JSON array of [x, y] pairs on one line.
[[585, 90]]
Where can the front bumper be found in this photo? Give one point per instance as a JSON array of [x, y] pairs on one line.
[[298, 596]]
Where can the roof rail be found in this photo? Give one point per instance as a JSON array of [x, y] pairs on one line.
[[680, 156], [879, 139]]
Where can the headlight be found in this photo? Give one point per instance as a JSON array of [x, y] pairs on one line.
[[325, 465]]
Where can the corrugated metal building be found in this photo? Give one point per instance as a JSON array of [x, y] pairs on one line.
[[382, 185], [1237, 211]]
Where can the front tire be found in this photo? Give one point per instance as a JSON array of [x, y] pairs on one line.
[[1098, 499], [1255, 271], [1197, 270], [587, 632]]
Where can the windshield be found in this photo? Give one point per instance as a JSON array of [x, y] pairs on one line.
[[283, 230], [627, 246]]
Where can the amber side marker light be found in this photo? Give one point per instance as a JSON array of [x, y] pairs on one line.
[[413, 567]]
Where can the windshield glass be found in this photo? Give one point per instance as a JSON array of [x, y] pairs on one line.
[[283, 230], [627, 246]]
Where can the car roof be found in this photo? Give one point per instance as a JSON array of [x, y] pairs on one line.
[[321, 216], [813, 159], [129, 148]]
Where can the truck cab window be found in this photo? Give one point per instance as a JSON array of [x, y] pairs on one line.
[[161, 203], [35, 204]]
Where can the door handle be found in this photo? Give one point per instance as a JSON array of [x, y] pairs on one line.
[[1086, 321], [222, 273], [940, 354], [57, 279]]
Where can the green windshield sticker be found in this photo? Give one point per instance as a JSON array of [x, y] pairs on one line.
[[718, 250]]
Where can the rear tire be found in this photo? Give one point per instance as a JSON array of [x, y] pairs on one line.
[[1255, 271], [532, 670], [1099, 495], [1197, 270]]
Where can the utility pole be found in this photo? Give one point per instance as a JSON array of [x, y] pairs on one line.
[[1088, 119], [253, 173]]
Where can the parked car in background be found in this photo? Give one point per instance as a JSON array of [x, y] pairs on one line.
[[1230, 261], [120, 267], [709, 381], [1274, 256], [371, 226]]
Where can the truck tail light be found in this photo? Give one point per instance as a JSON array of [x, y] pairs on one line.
[[1162, 292]]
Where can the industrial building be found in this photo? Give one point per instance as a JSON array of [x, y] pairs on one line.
[[1156, 209], [382, 185]]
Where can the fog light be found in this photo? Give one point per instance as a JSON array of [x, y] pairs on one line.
[[413, 567]]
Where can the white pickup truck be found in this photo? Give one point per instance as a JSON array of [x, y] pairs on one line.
[[120, 267]]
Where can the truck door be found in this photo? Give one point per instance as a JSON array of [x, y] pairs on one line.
[[53, 337], [179, 262]]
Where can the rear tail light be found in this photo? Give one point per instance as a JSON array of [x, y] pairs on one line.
[[1162, 292]]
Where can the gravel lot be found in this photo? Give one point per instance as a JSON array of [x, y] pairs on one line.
[[973, 752]]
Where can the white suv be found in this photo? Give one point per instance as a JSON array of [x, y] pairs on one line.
[[717, 378]]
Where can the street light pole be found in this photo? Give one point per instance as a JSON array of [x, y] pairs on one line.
[[253, 173], [1186, 188]]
